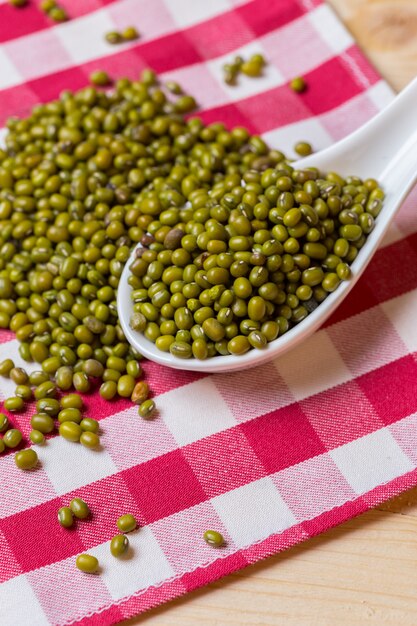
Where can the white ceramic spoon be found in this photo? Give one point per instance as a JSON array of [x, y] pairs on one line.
[[384, 148]]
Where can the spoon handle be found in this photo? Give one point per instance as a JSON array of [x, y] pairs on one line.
[[371, 149]]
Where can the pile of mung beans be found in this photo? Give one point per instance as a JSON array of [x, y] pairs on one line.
[[236, 247], [234, 264]]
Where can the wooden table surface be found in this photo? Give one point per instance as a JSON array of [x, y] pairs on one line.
[[365, 571]]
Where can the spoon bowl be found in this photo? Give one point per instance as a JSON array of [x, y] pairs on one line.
[[384, 148]]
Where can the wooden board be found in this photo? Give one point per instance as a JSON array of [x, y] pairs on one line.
[[387, 31], [363, 572]]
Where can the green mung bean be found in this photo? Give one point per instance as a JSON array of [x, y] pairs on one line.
[[100, 78], [6, 367], [87, 563], [71, 401], [213, 538], [126, 523], [37, 437], [90, 425], [12, 438], [4, 422], [46, 389], [58, 14], [89, 439], [118, 545], [42, 422], [24, 392], [70, 414], [108, 389], [130, 33], [26, 459], [18, 376], [146, 409], [65, 517], [303, 148], [80, 508], [298, 84], [14, 404], [71, 431], [50, 406], [114, 37]]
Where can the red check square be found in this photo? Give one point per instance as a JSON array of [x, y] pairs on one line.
[[53, 543], [336, 421], [224, 461], [392, 389], [220, 35], [258, 14], [164, 486], [283, 438], [9, 567]]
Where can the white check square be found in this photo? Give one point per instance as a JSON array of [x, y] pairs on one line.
[[371, 461], [9, 74], [195, 411], [310, 130], [188, 12], [19, 604], [143, 565], [401, 312], [71, 465], [253, 512], [330, 29], [88, 33], [313, 366]]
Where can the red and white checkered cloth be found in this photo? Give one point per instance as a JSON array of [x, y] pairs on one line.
[[271, 456]]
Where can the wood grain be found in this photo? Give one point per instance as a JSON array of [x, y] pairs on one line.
[[363, 572], [387, 32]]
